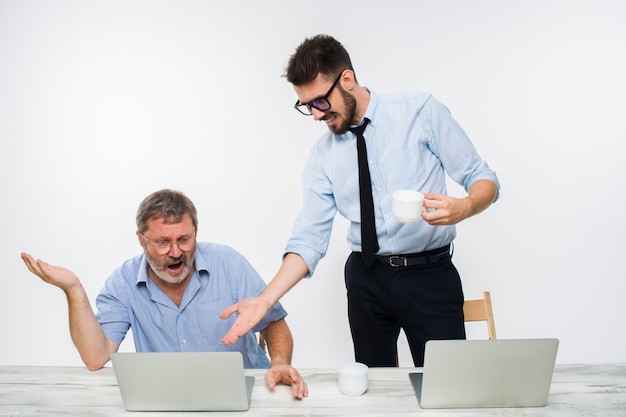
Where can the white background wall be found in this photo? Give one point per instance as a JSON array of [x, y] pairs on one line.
[[104, 102]]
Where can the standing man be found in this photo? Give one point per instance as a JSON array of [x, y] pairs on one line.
[[171, 296], [402, 276]]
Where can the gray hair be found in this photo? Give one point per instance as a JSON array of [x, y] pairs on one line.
[[169, 205]]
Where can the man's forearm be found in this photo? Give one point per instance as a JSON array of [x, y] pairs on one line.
[[93, 346], [279, 342], [481, 195], [292, 270]]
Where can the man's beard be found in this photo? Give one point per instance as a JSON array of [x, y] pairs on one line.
[[161, 270], [350, 106]]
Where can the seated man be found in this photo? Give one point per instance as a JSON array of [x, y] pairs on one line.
[[171, 296]]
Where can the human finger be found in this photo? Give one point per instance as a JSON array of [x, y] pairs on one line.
[[299, 388], [236, 331], [270, 379], [228, 311], [33, 265]]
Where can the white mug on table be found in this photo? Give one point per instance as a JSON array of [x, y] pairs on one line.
[[352, 378]]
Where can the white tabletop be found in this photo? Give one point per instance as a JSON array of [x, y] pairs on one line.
[[577, 390]]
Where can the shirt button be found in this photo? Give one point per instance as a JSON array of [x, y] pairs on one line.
[[184, 342], [391, 240]]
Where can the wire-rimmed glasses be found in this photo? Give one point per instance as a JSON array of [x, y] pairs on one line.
[[163, 247]]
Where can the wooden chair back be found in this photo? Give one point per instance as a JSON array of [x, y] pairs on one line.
[[481, 310]]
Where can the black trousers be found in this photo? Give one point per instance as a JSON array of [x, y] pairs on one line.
[[426, 301]]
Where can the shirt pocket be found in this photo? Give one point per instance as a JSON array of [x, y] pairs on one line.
[[406, 170], [212, 328]]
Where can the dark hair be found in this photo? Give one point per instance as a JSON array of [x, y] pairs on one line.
[[319, 54], [169, 205]]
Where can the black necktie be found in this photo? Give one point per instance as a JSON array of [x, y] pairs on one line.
[[369, 242]]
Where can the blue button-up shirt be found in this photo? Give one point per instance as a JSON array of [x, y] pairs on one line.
[[412, 142], [221, 277]]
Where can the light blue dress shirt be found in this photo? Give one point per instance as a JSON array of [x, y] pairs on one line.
[[222, 276], [412, 142]]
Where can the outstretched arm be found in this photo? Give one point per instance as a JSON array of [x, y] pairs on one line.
[[93, 346], [252, 310], [280, 347]]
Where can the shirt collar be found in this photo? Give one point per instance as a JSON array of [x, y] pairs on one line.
[[142, 274], [372, 106]]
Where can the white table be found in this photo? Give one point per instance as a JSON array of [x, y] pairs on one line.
[[577, 390]]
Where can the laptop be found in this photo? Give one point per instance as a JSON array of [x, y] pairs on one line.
[[182, 381], [485, 373]]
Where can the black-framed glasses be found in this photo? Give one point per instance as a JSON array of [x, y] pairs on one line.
[[320, 103], [163, 247]]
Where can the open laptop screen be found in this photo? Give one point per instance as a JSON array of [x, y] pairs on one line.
[[182, 381], [486, 373]]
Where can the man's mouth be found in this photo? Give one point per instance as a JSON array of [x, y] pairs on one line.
[[329, 119], [175, 266]]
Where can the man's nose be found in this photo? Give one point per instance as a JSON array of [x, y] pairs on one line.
[[317, 114], [175, 250]]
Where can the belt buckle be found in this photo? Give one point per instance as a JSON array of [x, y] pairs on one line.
[[402, 261]]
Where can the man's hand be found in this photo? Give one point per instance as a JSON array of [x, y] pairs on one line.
[[444, 210], [92, 344], [55, 275], [251, 311], [288, 375]]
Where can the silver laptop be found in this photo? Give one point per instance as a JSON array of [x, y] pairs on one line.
[[182, 381], [486, 373]]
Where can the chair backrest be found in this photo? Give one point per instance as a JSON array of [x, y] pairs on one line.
[[262, 343], [481, 310]]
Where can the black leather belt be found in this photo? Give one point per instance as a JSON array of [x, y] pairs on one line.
[[422, 258]]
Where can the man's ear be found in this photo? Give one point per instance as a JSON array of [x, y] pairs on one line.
[[347, 80]]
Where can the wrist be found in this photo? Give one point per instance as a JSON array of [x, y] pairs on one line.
[[267, 298], [75, 291]]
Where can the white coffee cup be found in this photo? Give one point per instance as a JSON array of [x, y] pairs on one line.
[[352, 378], [407, 205]]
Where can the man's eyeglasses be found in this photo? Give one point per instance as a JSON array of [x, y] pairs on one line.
[[320, 103], [163, 247]]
